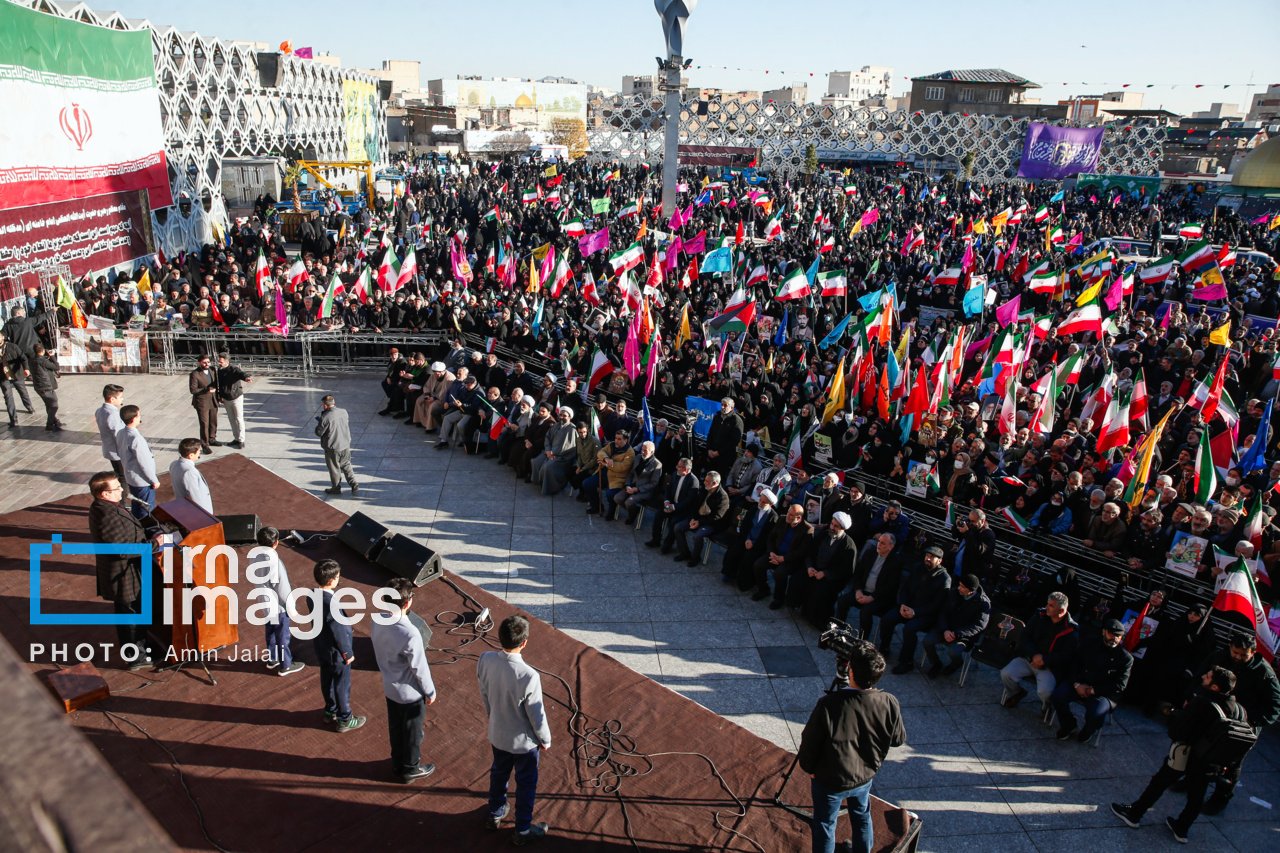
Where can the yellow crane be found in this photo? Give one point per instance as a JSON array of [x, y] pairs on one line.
[[318, 168]]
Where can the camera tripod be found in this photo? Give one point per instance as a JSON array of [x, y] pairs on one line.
[[837, 683]]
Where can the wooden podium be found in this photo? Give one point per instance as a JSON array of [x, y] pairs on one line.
[[197, 527]]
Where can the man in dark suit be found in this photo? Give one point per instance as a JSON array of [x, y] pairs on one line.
[[753, 530], [723, 437], [707, 518], [119, 576], [334, 652], [642, 483], [203, 383], [395, 367], [681, 495], [874, 587], [784, 553]]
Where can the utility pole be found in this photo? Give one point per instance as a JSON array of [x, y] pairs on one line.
[[675, 17]]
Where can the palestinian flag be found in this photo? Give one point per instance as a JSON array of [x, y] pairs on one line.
[[953, 512], [261, 274], [1159, 270], [1238, 594], [1206, 474], [1019, 523], [1191, 230], [575, 228], [794, 286], [601, 367], [833, 283], [737, 318], [933, 481], [627, 259], [492, 215]]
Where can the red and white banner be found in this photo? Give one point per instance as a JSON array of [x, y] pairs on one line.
[[87, 234]]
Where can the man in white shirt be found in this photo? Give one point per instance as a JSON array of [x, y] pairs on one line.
[[139, 464], [109, 423], [277, 588], [406, 681], [185, 477]]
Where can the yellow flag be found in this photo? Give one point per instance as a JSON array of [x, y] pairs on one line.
[[684, 333], [706, 181], [1221, 335], [540, 253], [857, 227], [1144, 461], [835, 395], [768, 366], [1090, 295], [534, 285], [980, 226], [550, 171], [144, 283], [1213, 275], [901, 353], [63, 295]]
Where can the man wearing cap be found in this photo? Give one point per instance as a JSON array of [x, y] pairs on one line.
[[641, 484], [874, 586], [1048, 645], [550, 469], [827, 568], [231, 382], [921, 594], [429, 408], [1099, 675], [963, 619], [753, 528]]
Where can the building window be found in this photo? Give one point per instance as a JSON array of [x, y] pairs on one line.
[[996, 96], [933, 93], [966, 96]]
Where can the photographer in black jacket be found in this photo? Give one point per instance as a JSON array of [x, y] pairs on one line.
[[843, 745]]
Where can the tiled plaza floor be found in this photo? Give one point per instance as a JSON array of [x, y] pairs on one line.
[[982, 778]]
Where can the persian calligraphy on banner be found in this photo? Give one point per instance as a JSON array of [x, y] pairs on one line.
[[1059, 152]]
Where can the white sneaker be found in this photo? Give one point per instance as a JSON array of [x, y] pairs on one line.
[[292, 668], [273, 664]]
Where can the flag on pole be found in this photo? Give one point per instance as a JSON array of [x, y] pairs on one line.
[[833, 282], [1236, 593], [601, 367], [835, 395], [1019, 523], [794, 286], [1206, 473]]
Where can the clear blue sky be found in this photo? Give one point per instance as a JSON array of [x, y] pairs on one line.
[[1093, 45]]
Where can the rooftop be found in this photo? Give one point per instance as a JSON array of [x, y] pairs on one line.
[[980, 75]]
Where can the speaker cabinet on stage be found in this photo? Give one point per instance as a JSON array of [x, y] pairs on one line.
[[240, 529], [364, 536], [408, 559]]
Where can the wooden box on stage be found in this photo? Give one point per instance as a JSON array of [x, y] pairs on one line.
[[196, 527], [78, 686]]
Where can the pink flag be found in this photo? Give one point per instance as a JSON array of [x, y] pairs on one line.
[[967, 261], [978, 346], [673, 254], [1075, 241], [1261, 219], [1114, 295], [1213, 291], [1008, 312], [697, 245], [303, 53], [651, 370], [1003, 259], [592, 243], [871, 216], [548, 265], [631, 351]]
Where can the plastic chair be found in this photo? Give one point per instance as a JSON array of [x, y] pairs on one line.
[[996, 646]]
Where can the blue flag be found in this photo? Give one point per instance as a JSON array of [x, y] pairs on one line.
[[988, 385], [706, 410], [869, 301], [837, 333], [537, 320], [973, 300], [646, 420], [780, 338], [705, 198], [721, 260], [1253, 457], [1058, 196], [812, 272]]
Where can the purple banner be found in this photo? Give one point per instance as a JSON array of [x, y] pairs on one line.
[[697, 245], [1059, 152], [592, 243]]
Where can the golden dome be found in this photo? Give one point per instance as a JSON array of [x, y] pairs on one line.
[[1261, 168]]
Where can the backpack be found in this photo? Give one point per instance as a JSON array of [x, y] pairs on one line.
[[1227, 741]]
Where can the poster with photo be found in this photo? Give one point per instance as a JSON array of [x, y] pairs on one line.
[[103, 351], [1185, 554], [1148, 628], [918, 479]]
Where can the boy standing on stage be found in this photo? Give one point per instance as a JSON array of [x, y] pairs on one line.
[[333, 650]]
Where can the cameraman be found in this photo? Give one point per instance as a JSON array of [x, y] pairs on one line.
[[843, 745]]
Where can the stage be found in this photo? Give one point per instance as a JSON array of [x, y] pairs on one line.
[[267, 774]]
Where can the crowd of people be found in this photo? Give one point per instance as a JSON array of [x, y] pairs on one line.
[[1093, 365]]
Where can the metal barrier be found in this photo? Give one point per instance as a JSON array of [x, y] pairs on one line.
[[299, 354]]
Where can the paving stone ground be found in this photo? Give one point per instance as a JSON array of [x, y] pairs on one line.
[[982, 778]]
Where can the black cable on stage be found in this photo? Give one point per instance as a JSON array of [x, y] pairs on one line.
[[604, 745]]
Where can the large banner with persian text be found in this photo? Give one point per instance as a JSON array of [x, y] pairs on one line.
[[1059, 152], [86, 234], [81, 111]]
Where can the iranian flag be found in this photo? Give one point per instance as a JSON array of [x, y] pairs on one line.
[[632, 209], [1138, 402], [82, 111], [759, 276], [1041, 214], [628, 258], [1019, 523], [1236, 593], [1115, 426], [335, 287], [1275, 367], [1198, 257], [575, 228], [1206, 474], [949, 276], [1086, 319], [561, 277], [589, 293], [297, 273], [499, 423], [1191, 230], [1069, 372], [1056, 235], [794, 286], [407, 270], [361, 288], [530, 196], [601, 367], [833, 283], [1158, 271], [261, 274], [386, 270], [773, 228]]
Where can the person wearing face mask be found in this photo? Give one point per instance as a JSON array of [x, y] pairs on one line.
[[963, 486], [1053, 517], [1099, 675]]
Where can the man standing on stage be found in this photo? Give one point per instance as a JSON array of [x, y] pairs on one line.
[[203, 383], [231, 382], [334, 430], [109, 423], [185, 477], [333, 651], [138, 461], [119, 575], [406, 679], [843, 745], [518, 729]]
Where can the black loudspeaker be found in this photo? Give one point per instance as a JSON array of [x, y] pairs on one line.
[[240, 529], [408, 559], [364, 536], [270, 70], [423, 628]]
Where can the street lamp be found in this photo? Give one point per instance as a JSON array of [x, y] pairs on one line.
[[675, 17]]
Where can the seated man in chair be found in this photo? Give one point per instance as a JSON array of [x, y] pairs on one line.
[[963, 619], [1098, 677]]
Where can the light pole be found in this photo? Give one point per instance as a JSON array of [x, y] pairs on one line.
[[675, 16]]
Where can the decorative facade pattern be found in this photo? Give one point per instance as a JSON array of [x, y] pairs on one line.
[[630, 128], [214, 104]]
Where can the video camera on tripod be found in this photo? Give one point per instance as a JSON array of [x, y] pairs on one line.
[[843, 640]]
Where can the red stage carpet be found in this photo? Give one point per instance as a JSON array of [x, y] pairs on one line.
[[268, 775]]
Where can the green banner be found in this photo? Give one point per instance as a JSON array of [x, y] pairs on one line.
[[1128, 183], [42, 42], [599, 205]]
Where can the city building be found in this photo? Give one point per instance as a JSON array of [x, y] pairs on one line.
[[509, 102], [404, 74], [1265, 106], [871, 81], [1230, 112], [648, 85], [980, 91], [1186, 150], [796, 93], [1086, 107]]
